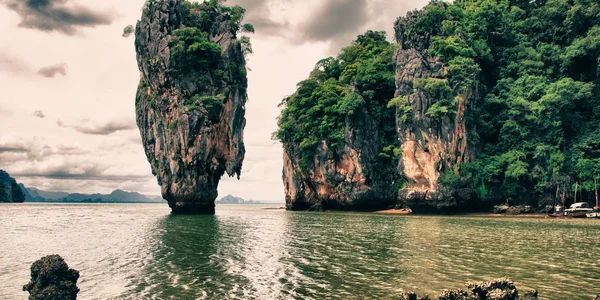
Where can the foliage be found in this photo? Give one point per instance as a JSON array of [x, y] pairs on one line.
[[128, 30], [199, 63], [536, 65], [359, 81]]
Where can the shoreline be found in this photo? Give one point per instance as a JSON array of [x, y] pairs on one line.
[[408, 212]]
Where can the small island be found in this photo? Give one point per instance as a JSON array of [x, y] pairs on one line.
[[229, 199]]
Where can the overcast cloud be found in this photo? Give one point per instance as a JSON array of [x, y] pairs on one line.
[[96, 147], [56, 15], [102, 129]]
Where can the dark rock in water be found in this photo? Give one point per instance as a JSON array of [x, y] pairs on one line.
[[10, 191], [500, 289], [532, 294], [51, 279], [190, 103], [497, 289]]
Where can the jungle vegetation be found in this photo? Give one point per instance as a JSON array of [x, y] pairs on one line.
[[535, 65]]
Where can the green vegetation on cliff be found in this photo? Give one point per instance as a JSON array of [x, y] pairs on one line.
[[536, 65], [194, 57], [361, 76], [523, 75]]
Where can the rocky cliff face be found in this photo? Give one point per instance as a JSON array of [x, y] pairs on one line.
[[344, 178], [190, 100], [431, 144], [10, 191]]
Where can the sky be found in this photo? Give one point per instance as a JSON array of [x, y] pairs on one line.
[[68, 80]]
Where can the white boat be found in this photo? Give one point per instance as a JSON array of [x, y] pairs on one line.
[[579, 210]]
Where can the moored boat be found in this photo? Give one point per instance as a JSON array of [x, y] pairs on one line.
[[579, 210]]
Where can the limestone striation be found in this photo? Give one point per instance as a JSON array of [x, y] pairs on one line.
[[190, 103], [433, 141], [10, 191]]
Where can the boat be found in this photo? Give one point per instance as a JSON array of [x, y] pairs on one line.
[[593, 215], [579, 210]]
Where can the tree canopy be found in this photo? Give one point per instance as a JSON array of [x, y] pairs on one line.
[[537, 65]]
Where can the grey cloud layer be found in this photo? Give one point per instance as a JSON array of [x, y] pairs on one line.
[[334, 19], [104, 129], [51, 71], [258, 14], [56, 15], [17, 66]]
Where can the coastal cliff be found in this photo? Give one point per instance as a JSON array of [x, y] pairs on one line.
[[491, 103], [337, 133], [190, 103], [430, 116], [10, 191]]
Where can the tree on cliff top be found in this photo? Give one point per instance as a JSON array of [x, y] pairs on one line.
[[362, 76]]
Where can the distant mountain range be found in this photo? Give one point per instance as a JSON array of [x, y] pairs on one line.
[[117, 196], [229, 199]]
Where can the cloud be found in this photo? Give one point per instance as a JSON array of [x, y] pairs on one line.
[[104, 129], [336, 18], [13, 148], [13, 65], [56, 15], [13, 151], [40, 114], [51, 71], [258, 13], [17, 66], [83, 170]]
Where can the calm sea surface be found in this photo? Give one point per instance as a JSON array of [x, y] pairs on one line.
[[133, 251]]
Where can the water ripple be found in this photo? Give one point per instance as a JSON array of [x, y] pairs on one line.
[[248, 252]]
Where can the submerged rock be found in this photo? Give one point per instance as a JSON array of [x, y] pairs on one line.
[[51, 279], [10, 191], [190, 103]]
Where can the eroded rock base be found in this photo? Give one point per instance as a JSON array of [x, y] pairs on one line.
[[192, 208]]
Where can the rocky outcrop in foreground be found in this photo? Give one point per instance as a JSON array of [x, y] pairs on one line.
[[51, 279], [10, 191], [496, 289], [190, 100]]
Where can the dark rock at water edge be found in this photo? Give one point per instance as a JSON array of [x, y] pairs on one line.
[[10, 191], [51, 279], [191, 121], [496, 289]]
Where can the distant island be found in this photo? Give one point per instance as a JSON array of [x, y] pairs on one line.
[[117, 196], [229, 199]]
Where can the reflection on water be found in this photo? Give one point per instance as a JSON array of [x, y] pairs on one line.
[[248, 252]]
